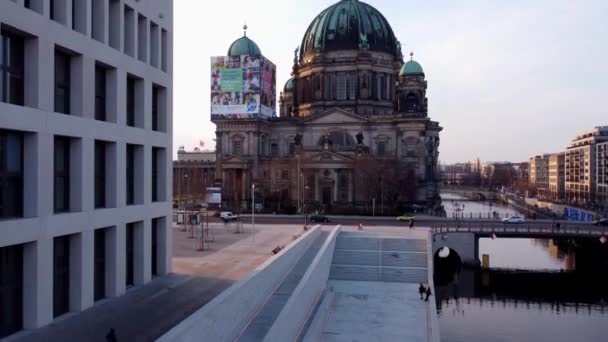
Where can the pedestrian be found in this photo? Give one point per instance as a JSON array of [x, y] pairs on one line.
[[421, 290], [411, 224], [428, 294], [111, 336]]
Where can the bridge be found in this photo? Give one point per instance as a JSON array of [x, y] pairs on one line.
[[462, 236], [471, 193]]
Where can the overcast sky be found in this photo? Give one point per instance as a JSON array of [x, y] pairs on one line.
[[506, 79]]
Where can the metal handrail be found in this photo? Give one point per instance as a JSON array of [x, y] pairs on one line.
[[518, 229]]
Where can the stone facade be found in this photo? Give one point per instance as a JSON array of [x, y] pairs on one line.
[[353, 131], [556, 177]]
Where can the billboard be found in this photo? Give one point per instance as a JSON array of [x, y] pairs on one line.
[[214, 196], [242, 87]]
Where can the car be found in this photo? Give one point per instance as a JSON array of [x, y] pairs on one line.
[[318, 218], [406, 218], [602, 222], [228, 216], [513, 219]]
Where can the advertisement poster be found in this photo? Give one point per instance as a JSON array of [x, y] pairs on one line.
[[242, 87], [268, 95]]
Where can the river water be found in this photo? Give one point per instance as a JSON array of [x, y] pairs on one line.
[[470, 209], [535, 290]]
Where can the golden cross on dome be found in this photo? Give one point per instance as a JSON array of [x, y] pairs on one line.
[[245, 30], [412, 55]]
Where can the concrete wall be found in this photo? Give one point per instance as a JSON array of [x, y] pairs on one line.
[[224, 317], [293, 317], [465, 244], [40, 124], [432, 319]]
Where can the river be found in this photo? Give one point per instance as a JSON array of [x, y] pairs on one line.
[[535, 289]]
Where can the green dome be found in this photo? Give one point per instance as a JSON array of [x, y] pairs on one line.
[[244, 46], [288, 86], [411, 68], [350, 25]]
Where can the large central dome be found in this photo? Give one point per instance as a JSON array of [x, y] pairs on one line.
[[348, 25]]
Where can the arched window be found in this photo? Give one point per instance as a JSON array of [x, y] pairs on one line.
[[411, 103]]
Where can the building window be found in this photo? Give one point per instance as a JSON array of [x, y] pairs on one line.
[[155, 123], [341, 87], [11, 289], [130, 174], [61, 184], [156, 232], [130, 101], [100, 93], [159, 108], [284, 174], [11, 174], [61, 275], [62, 82], [100, 174], [411, 103], [381, 148], [11, 69], [411, 150], [100, 264], [130, 254], [274, 149], [381, 88], [158, 180], [237, 147]]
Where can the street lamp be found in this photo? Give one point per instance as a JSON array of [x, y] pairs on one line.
[[252, 207]]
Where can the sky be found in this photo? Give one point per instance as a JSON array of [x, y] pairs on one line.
[[507, 79]]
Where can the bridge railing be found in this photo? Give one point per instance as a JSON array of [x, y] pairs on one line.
[[528, 228]]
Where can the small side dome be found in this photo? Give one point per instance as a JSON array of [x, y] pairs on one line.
[[288, 88], [244, 46], [411, 68]]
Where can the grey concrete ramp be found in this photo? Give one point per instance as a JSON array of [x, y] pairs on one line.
[[366, 258], [259, 326]]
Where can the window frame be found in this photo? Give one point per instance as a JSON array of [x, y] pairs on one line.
[[101, 93], [64, 174], [62, 84], [10, 70], [7, 176]]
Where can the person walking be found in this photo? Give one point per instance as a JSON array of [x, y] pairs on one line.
[[428, 294], [111, 336], [421, 290], [411, 224]]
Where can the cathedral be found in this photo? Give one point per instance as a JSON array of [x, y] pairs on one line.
[[353, 133]]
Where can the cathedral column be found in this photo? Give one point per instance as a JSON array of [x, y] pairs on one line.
[[336, 177], [350, 186], [317, 190]]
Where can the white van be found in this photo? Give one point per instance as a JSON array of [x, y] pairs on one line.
[[228, 216]]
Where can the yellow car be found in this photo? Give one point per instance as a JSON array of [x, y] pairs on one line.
[[406, 218]]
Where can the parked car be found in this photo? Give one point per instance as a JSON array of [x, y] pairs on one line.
[[513, 219], [228, 216], [602, 222], [406, 218], [318, 218]]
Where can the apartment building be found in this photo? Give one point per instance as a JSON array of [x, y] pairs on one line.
[[85, 153], [556, 176], [601, 160], [539, 174], [580, 165]]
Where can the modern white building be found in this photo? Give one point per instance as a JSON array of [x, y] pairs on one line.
[[580, 165], [85, 153]]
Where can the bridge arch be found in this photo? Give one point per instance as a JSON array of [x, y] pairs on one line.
[[465, 245]]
